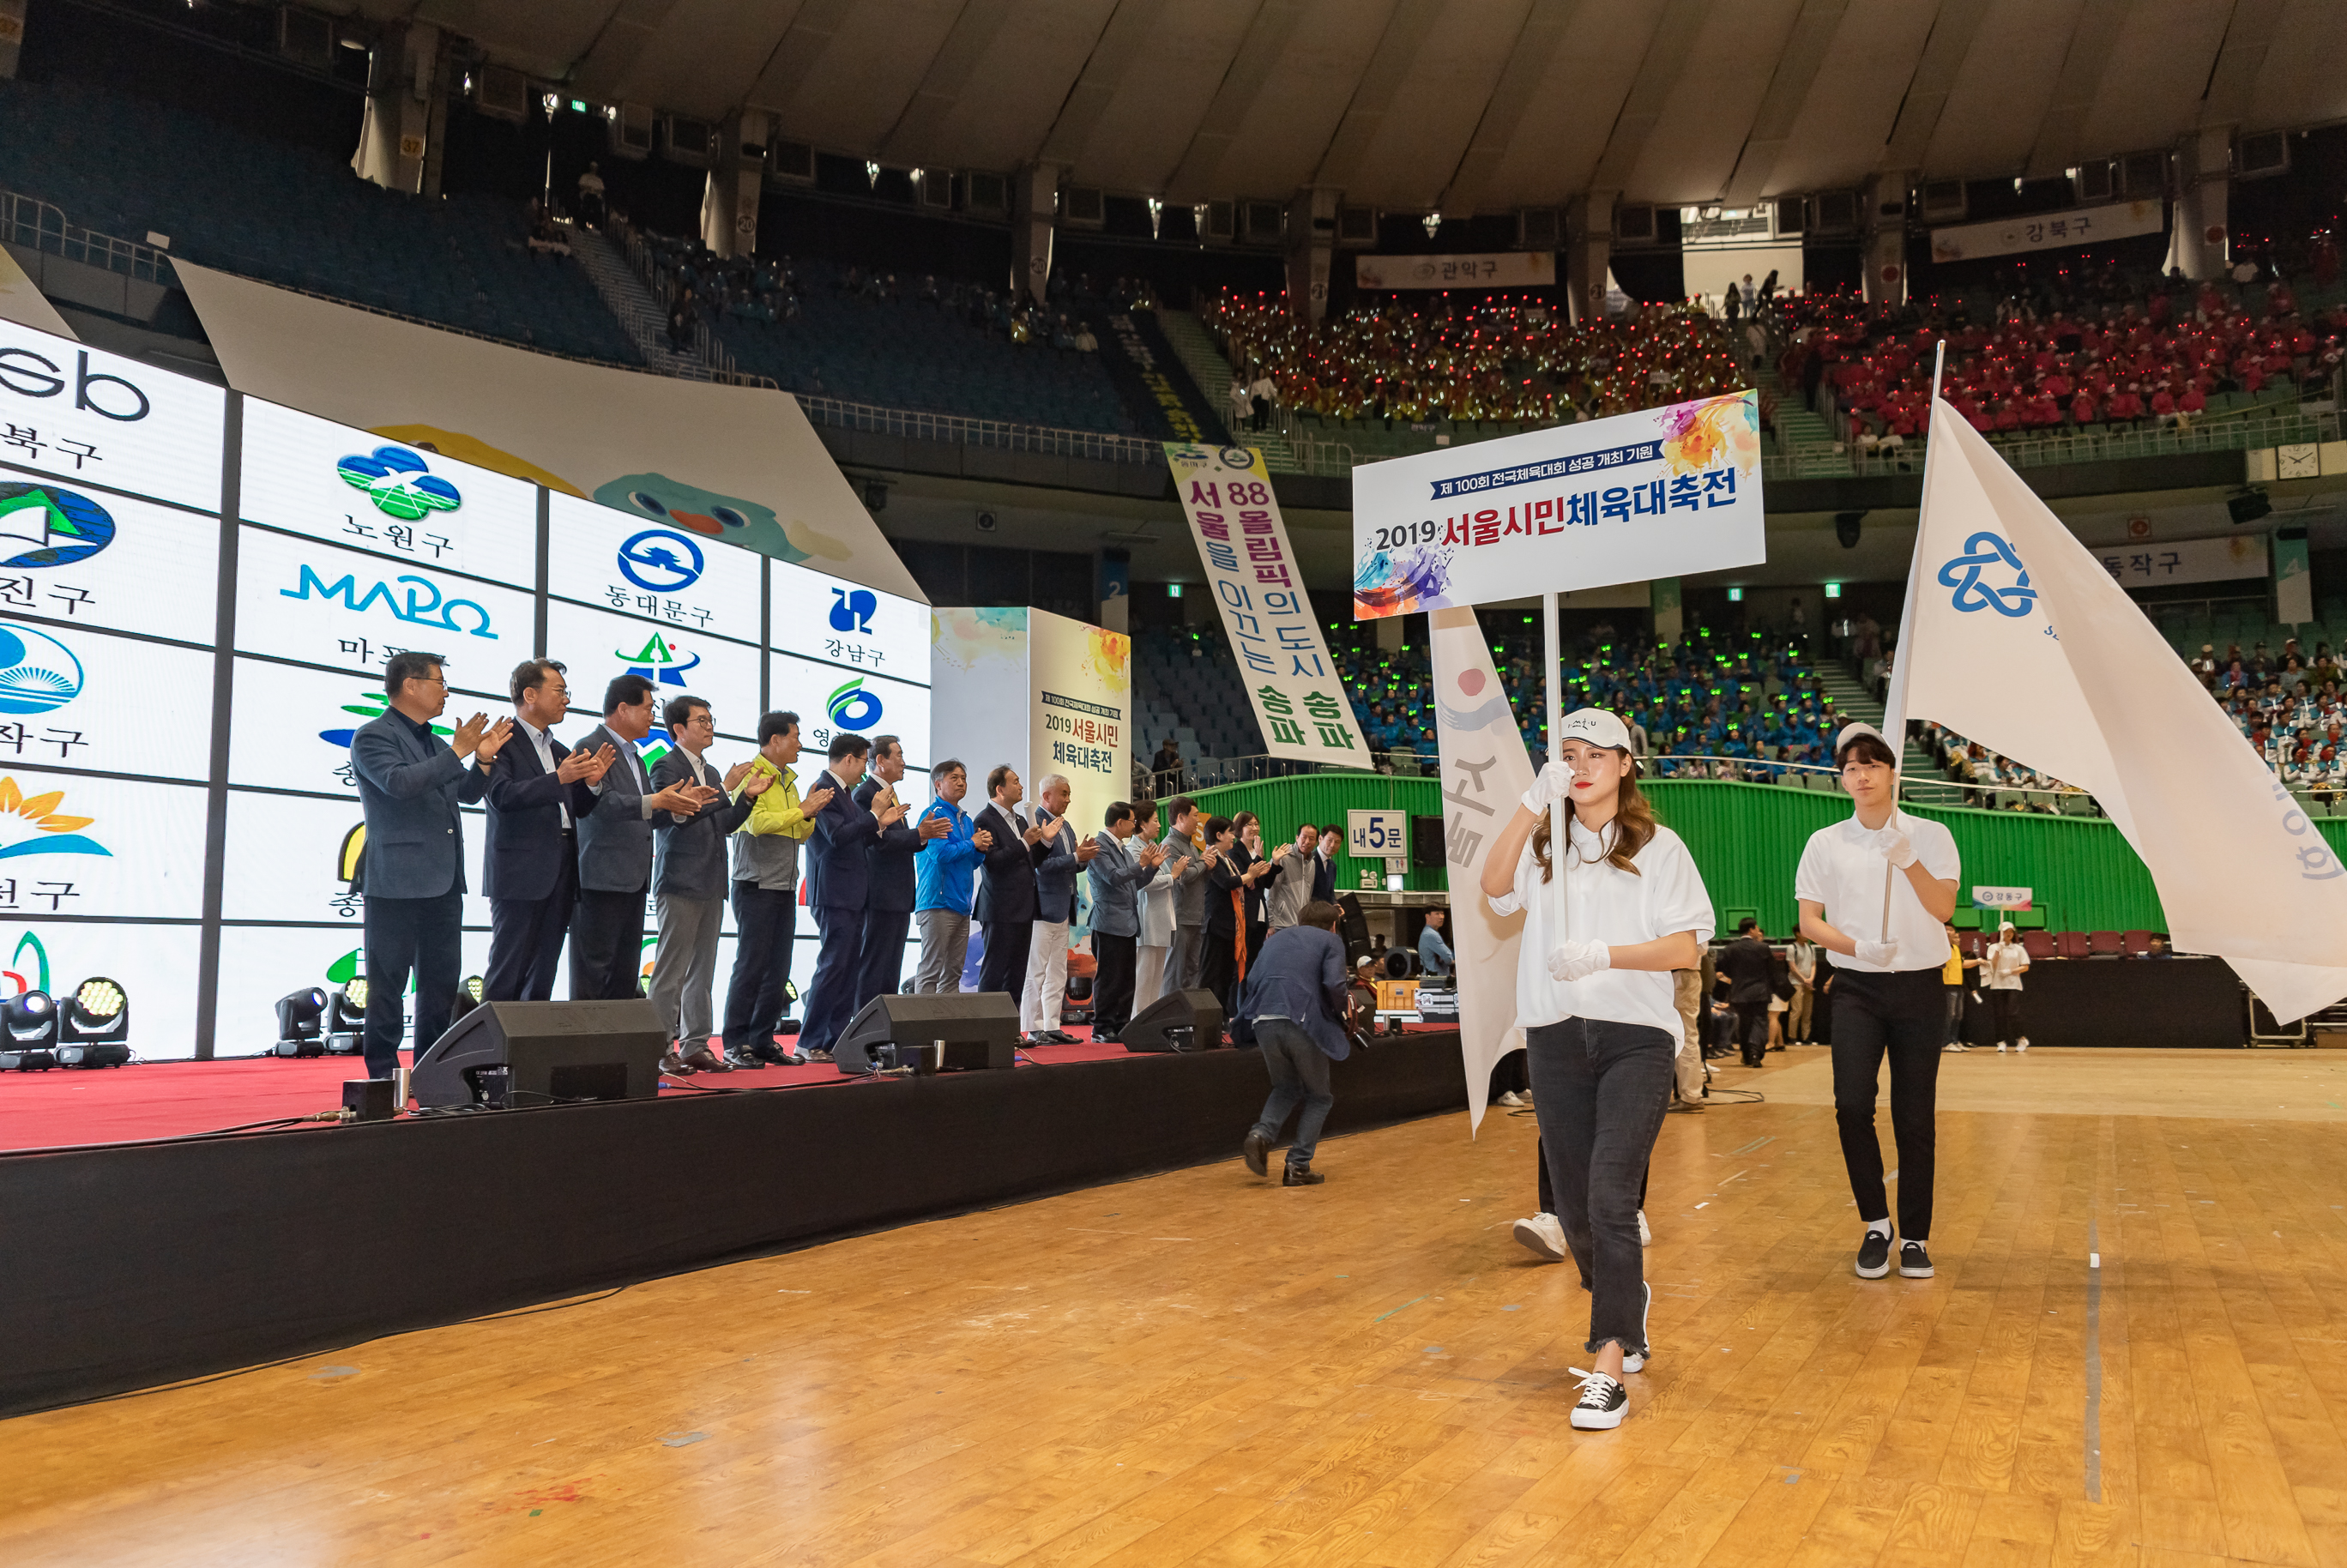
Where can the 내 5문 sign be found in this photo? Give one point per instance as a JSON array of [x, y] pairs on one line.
[[1662, 492], [1298, 696]]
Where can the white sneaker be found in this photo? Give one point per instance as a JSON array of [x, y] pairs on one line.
[[1645, 1236], [1542, 1236], [2024, 1045], [1635, 1361], [1955, 1046], [1603, 1403], [1512, 1099], [2000, 1047]]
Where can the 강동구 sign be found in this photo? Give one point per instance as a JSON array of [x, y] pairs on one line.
[[1658, 493], [1298, 696]]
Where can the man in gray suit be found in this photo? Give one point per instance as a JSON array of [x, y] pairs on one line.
[[1118, 874], [411, 783], [689, 883], [1185, 966], [1059, 859], [615, 847]]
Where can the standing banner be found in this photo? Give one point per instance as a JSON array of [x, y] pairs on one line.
[[1298, 700], [1484, 773], [1662, 492], [1080, 712]]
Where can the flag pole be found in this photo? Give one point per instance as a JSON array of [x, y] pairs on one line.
[[1898, 663], [1556, 833]]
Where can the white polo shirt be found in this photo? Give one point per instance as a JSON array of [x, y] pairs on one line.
[[1604, 904], [1841, 867]]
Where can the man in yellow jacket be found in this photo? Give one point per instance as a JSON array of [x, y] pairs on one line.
[[766, 896]]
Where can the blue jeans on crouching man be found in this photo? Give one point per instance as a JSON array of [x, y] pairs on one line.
[[1299, 1071]]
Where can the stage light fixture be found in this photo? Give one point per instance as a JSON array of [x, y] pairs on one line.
[[298, 1014], [29, 1033], [469, 994], [93, 1025], [347, 1017]]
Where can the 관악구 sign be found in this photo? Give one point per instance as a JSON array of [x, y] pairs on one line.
[[1658, 493]]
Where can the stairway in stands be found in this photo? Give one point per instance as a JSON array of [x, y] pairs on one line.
[[1800, 433], [632, 301], [1921, 781], [1207, 367]]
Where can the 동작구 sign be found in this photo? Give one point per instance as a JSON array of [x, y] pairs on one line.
[[1297, 697], [1658, 493]]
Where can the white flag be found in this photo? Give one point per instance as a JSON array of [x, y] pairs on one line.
[[1484, 771], [2016, 637]]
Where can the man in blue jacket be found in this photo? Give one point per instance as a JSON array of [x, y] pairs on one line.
[[1295, 999], [838, 880], [944, 874], [411, 783], [892, 858]]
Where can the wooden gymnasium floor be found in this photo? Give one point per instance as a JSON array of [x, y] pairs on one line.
[[1200, 1368]]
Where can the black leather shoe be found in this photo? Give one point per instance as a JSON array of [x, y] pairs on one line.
[[743, 1061], [1292, 1177], [767, 1052], [1253, 1150]]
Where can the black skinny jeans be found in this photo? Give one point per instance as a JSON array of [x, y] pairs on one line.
[[2005, 1007], [1906, 1015], [1599, 1090]]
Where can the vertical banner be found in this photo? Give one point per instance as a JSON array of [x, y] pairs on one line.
[[2293, 584], [1658, 493], [1079, 713], [1298, 700], [1484, 772]]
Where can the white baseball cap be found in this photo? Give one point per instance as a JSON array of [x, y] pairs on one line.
[[1852, 731], [1596, 726]]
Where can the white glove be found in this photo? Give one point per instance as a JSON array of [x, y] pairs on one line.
[[1886, 954], [1579, 960], [1552, 783], [1896, 849]]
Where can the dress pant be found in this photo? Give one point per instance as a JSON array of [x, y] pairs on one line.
[[1149, 975], [1688, 1071], [1046, 989], [525, 936], [765, 921], [944, 949], [1900, 1013], [880, 961], [1599, 1091], [831, 995], [1218, 967], [1112, 984], [1752, 1030], [1300, 1071], [404, 937], [1797, 1014], [685, 967], [1003, 966], [607, 946], [1183, 957]]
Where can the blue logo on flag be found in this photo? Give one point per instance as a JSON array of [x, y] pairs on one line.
[[1985, 551]]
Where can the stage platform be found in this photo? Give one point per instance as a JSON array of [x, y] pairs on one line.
[[137, 1262]]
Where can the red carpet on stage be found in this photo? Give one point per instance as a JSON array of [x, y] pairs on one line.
[[62, 1107]]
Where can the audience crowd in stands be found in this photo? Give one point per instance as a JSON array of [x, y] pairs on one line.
[[1500, 358]]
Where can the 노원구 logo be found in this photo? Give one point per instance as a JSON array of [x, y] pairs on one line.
[[400, 483], [41, 524], [851, 707], [37, 673], [1989, 575], [662, 562]]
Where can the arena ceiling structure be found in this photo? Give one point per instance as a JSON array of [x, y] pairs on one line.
[[1451, 106]]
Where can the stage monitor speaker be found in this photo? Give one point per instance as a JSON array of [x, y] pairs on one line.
[[555, 1051], [939, 1030], [1178, 1020]]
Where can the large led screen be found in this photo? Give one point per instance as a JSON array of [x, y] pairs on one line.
[[320, 604], [290, 727], [837, 622], [153, 964], [88, 417], [73, 844], [669, 572], [599, 645], [72, 698], [85, 559], [830, 701], [291, 857]]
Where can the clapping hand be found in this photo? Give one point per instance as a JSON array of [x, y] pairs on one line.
[[1086, 850], [468, 738], [816, 801], [934, 827], [681, 799], [1035, 833], [577, 765], [756, 785], [893, 814], [735, 775], [983, 838], [601, 762], [486, 750]]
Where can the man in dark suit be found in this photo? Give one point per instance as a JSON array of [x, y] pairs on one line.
[[889, 875], [838, 879], [1324, 874], [539, 787], [1008, 892], [688, 885], [615, 848], [1750, 969], [1297, 1002], [411, 783]]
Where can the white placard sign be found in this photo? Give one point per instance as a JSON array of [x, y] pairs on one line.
[[2222, 559], [1369, 835], [2049, 230], [1663, 492], [1497, 270], [1298, 698]]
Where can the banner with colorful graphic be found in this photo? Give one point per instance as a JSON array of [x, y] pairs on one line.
[[1662, 492], [1079, 711], [1283, 658]]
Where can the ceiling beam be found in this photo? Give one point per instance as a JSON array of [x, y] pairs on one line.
[[1243, 79], [1405, 34], [1123, 42], [1543, 33], [1936, 69], [917, 135], [797, 53], [1781, 107], [1659, 70], [626, 33], [2063, 127], [2249, 32]]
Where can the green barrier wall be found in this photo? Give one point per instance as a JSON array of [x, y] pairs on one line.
[[1747, 840]]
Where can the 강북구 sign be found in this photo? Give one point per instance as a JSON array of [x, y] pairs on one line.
[[1293, 689], [1658, 493]]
